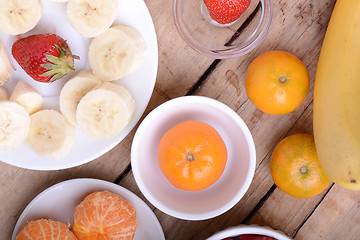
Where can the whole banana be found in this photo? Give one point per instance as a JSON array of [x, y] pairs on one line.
[[337, 97]]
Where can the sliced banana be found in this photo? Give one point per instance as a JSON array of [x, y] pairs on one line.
[[19, 16], [106, 111], [27, 97], [5, 65], [117, 52], [140, 48], [51, 135], [92, 17], [73, 91], [14, 125], [4, 94]]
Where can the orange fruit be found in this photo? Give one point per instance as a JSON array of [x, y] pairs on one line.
[[45, 229], [104, 216], [295, 167], [277, 82], [192, 155]]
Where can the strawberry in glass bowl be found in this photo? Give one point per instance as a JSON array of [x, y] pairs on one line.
[[222, 28], [226, 11]]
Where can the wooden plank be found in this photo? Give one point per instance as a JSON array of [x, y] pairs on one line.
[[177, 71], [287, 213], [301, 23], [18, 186], [297, 27], [281, 211], [337, 217]]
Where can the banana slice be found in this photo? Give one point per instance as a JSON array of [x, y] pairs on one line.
[[4, 94], [73, 91], [14, 125], [19, 16], [51, 135], [140, 49], [106, 111], [117, 52], [5, 66], [27, 97], [92, 17]]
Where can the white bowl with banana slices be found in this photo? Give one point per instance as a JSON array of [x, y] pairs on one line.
[[88, 112]]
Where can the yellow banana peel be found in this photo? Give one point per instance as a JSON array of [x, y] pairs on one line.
[[337, 97]]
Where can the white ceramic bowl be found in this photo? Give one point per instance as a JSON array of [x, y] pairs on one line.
[[249, 229], [223, 194]]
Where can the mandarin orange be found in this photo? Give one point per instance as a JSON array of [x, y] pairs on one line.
[[277, 82], [105, 216], [192, 155], [295, 167], [45, 229]]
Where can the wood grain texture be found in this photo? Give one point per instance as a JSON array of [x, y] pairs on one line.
[[226, 84], [19, 186], [337, 217], [281, 211], [310, 25], [297, 27], [305, 23]]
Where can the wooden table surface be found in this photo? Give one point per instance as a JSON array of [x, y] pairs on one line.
[[299, 27]]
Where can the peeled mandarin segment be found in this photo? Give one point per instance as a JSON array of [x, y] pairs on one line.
[[192, 155], [106, 215], [45, 229]]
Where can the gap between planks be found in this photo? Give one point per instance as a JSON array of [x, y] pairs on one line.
[[273, 187], [192, 91], [203, 77], [311, 213]]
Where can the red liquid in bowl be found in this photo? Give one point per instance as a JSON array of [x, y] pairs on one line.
[[250, 237]]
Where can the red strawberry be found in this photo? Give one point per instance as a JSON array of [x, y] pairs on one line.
[[44, 57], [226, 11]]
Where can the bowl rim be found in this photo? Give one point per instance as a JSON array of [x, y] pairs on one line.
[[268, 15], [249, 229], [220, 107], [93, 184]]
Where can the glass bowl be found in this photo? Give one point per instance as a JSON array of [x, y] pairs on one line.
[[214, 40]]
